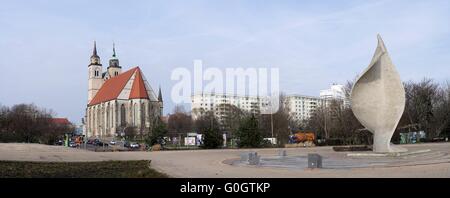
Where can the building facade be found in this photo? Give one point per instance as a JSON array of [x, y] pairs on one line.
[[117, 100], [335, 93], [302, 107], [220, 104]]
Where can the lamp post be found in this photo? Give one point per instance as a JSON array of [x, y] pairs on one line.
[[271, 117], [123, 132]]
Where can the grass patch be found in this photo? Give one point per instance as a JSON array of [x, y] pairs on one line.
[[105, 169]]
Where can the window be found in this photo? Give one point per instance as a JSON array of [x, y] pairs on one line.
[[122, 115], [135, 116]]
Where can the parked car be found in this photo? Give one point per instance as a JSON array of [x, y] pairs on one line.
[[91, 141], [72, 144], [97, 142], [59, 142], [113, 142], [101, 144], [126, 144], [134, 145]]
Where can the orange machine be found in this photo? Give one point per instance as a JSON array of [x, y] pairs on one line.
[[304, 136], [79, 140]]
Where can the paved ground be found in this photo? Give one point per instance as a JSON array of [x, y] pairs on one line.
[[222, 163]]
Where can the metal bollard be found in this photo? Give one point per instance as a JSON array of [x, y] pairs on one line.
[[314, 160]]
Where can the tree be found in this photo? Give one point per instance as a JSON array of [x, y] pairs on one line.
[[334, 121], [31, 124], [424, 101], [179, 122], [130, 132], [232, 118], [442, 112], [212, 139], [206, 121], [5, 134], [278, 124], [249, 135], [281, 120], [158, 133], [208, 125]]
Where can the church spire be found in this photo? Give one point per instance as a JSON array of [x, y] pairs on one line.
[[160, 95], [95, 59], [114, 61], [114, 50], [94, 53]]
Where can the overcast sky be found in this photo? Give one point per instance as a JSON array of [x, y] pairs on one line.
[[45, 45]]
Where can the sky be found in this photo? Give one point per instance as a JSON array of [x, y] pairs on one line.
[[45, 45]]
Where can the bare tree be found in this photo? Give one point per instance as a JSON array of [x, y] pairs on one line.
[[130, 132], [278, 123], [232, 118], [26, 123], [206, 122], [180, 121], [442, 111], [422, 103]]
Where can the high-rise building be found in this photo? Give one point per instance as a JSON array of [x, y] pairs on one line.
[[220, 104], [302, 107], [335, 92]]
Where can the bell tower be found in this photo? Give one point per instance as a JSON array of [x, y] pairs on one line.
[[114, 67], [95, 80]]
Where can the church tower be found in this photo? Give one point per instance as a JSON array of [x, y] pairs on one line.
[[160, 101], [114, 68], [95, 80]]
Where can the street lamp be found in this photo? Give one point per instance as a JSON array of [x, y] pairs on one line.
[[123, 132]]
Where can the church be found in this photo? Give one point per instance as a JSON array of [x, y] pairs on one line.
[[119, 100]]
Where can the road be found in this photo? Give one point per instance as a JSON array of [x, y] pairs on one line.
[[216, 163]]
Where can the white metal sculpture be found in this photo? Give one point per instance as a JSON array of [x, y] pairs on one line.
[[378, 100]]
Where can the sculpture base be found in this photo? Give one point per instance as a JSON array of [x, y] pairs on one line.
[[398, 149], [392, 154], [382, 143], [391, 148]]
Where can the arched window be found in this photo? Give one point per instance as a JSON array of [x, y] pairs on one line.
[[135, 117], [122, 115], [108, 117], [142, 115]]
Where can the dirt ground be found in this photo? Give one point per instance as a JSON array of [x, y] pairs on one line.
[[216, 163]]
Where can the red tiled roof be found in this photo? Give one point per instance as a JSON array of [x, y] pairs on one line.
[[138, 90], [60, 121], [112, 88]]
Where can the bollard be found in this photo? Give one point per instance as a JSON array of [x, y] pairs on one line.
[[253, 158], [244, 156], [282, 153], [314, 160]]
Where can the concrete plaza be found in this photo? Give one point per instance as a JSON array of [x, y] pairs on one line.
[[225, 163]]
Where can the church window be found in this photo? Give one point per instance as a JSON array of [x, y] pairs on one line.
[[136, 112], [122, 115], [107, 117], [142, 116]]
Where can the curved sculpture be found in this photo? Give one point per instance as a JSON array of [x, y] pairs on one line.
[[378, 100]]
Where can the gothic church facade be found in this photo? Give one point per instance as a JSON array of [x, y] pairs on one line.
[[119, 100]]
